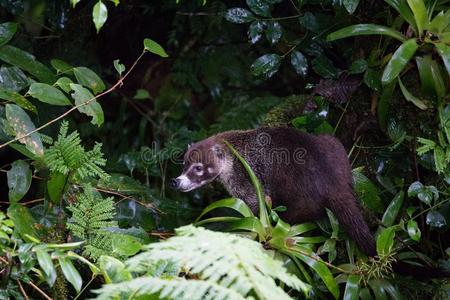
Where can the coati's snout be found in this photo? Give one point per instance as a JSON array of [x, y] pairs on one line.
[[202, 164]]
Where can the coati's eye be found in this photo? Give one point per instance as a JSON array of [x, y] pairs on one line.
[[198, 168]]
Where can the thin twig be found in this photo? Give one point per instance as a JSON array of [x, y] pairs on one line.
[[22, 290], [119, 83], [39, 290]]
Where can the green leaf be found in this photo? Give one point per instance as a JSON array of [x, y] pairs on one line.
[[385, 241], [113, 270], [99, 15], [70, 273], [251, 224], [399, 60], [255, 31], [48, 94], [377, 287], [24, 60], [64, 84], [317, 265], [410, 97], [23, 221], [352, 287], [60, 66], [431, 78], [403, 9], [231, 203], [142, 94], [393, 209], [55, 186], [420, 14], [440, 22], [365, 29], [155, 48], [350, 5], [383, 104], [299, 62], [46, 264], [18, 99], [415, 188], [7, 31], [74, 2], [13, 79], [21, 124], [125, 245], [259, 7], [273, 32], [19, 180], [324, 67], [239, 15], [444, 51], [301, 228], [93, 109], [120, 68], [266, 65], [89, 78], [358, 66], [413, 230], [434, 219], [367, 191]]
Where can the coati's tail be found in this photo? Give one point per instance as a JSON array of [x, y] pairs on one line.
[[345, 207]]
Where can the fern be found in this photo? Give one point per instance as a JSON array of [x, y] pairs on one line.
[[91, 214], [224, 266], [68, 156]]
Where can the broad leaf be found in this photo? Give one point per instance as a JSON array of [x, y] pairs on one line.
[[155, 48], [399, 60], [402, 7], [46, 264], [266, 65], [273, 32], [352, 287], [120, 68], [26, 61], [385, 241], [255, 31], [99, 15], [7, 31], [91, 107], [350, 5], [239, 15], [60, 66], [251, 224], [70, 273], [125, 245], [299, 62], [440, 22], [367, 191], [365, 29], [393, 209], [420, 14], [48, 94], [21, 124], [259, 7], [358, 66], [231, 203], [444, 51], [13, 79], [89, 78], [413, 230], [64, 84], [19, 180], [18, 99], [410, 97], [55, 186], [324, 67], [23, 221], [113, 269], [436, 219]]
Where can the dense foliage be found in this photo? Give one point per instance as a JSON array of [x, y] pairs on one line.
[[99, 99]]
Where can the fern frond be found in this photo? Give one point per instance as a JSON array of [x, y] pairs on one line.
[[67, 155], [180, 289], [231, 261], [427, 145]]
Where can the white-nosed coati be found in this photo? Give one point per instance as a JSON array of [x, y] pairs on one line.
[[303, 172]]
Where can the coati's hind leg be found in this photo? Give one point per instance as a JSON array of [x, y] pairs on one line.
[[346, 209]]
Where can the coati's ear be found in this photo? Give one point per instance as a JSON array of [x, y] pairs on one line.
[[189, 145], [218, 150]]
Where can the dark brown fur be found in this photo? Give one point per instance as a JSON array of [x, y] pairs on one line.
[[303, 172]]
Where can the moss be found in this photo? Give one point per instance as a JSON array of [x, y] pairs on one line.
[[282, 114]]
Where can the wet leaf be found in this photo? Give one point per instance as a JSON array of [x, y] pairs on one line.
[[367, 191], [420, 14], [393, 209], [46, 264], [92, 108], [7, 31], [125, 245], [266, 65], [48, 94], [18, 99], [89, 78], [70, 273], [324, 67], [60, 66], [99, 15], [19, 180], [365, 29], [413, 230], [155, 48], [385, 241], [21, 124], [299, 62], [273, 32], [255, 31], [410, 97], [13, 79], [350, 5], [239, 15], [352, 287], [399, 59], [436, 219], [24, 60], [259, 7]]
